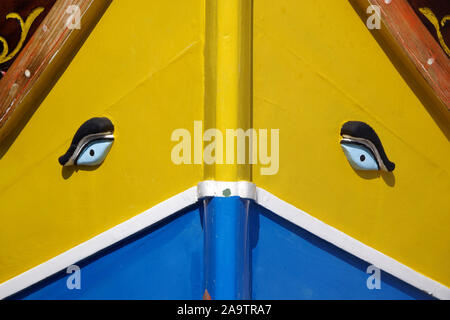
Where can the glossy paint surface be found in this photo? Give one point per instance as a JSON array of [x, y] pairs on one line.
[[307, 81], [227, 250], [148, 87], [168, 261], [288, 262], [317, 66], [163, 262]]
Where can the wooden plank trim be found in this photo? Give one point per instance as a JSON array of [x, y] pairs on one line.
[[50, 43], [416, 41]]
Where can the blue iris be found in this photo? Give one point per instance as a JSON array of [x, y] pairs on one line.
[[360, 157], [94, 153]]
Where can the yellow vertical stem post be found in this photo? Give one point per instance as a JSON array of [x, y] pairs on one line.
[[228, 80]]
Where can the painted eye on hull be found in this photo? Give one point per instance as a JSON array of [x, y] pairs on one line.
[[94, 153], [363, 147], [91, 143], [360, 157]]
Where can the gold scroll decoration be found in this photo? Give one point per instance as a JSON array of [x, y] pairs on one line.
[[435, 22], [25, 28]]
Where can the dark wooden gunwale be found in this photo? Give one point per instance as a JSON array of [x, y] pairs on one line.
[[419, 45], [42, 59]]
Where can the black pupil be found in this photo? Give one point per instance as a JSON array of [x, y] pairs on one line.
[[362, 158], [91, 153]]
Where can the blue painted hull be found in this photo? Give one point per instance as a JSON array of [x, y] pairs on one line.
[[233, 248]]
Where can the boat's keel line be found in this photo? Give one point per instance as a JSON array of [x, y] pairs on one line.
[[226, 211], [227, 249]]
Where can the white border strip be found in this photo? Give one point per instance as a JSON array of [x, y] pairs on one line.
[[102, 241], [351, 245], [211, 188]]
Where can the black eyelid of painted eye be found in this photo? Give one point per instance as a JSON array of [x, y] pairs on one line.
[[362, 130]]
